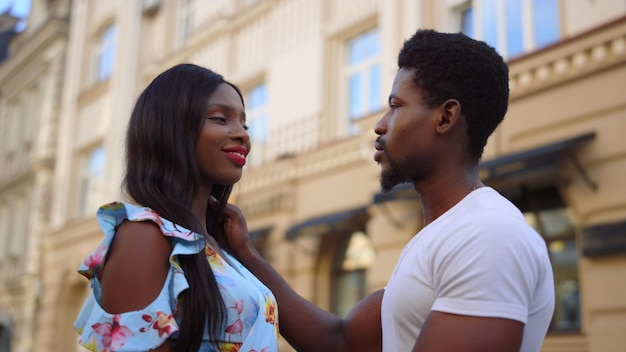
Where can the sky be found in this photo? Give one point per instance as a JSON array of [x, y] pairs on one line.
[[19, 8]]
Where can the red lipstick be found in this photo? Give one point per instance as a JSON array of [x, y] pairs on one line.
[[236, 154]]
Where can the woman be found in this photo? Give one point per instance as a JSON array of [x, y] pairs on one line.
[[162, 279]]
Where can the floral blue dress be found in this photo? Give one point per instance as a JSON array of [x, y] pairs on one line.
[[252, 316]]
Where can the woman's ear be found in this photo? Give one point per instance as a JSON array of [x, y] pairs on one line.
[[449, 115]]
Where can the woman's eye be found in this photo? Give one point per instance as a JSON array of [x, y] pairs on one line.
[[246, 127], [217, 118]]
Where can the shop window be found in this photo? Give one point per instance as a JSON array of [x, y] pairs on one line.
[[259, 239], [5, 338], [355, 256], [545, 210]]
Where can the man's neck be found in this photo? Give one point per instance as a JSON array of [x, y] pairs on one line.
[[441, 194]]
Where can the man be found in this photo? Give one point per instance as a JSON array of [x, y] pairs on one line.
[[476, 277]]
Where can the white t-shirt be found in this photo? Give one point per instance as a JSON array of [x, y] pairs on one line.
[[480, 258]]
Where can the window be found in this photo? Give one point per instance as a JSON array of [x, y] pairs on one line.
[[18, 233], [466, 14], [363, 73], [250, 3], [258, 124], [12, 126], [5, 337], [104, 55], [4, 231], [350, 272], [545, 210], [30, 101], [513, 27], [91, 181], [260, 239], [185, 22]]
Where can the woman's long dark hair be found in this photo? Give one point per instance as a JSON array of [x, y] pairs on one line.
[[161, 173]]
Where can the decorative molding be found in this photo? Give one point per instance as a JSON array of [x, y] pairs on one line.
[[274, 203], [568, 60], [322, 160]]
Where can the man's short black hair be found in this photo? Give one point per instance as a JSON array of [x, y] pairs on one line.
[[454, 66]]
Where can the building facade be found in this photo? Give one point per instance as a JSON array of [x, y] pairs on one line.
[[31, 79], [316, 75]]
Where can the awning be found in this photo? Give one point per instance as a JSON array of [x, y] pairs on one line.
[[345, 220], [533, 164]]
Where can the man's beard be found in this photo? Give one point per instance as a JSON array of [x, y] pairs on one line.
[[393, 175]]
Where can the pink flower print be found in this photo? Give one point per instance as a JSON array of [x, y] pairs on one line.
[[113, 335], [165, 324], [148, 214], [239, 306], [95, 258], [265, 349], [235, 328]]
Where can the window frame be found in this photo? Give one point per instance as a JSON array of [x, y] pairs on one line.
[[255, 114], [371, 102], [501, 40], [184, 22], [104, 50], [531, 206], [341, 275], [89, 195]]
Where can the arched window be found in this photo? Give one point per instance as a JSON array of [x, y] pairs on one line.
[[355, 255], [545, 210], [5, 338], [6, 331]]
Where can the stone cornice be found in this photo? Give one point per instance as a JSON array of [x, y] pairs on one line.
[[209, 32], [325, 158], [73, 232], [44, 37], [591, 52]]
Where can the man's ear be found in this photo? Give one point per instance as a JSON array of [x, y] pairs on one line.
[[449, 115]]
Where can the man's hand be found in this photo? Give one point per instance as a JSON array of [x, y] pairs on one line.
[[235, 228]]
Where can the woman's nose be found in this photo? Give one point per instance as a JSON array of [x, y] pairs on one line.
[[240, 132]]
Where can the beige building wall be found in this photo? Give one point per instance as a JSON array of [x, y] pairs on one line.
[[94, 113], [319, 183], [567, 91], [30, 94]]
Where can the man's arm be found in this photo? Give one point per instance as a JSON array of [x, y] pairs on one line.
[[451, 332], [305, 326]]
